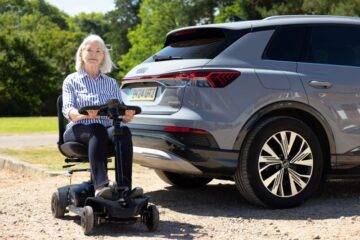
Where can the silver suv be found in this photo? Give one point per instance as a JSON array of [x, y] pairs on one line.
[[273, 104]]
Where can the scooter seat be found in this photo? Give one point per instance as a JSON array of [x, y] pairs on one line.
[[79, 150]]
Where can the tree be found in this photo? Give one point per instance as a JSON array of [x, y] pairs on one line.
[[159, 17], [123, 18], [91, 23], [36, 54], [25, 78], [249, 10]]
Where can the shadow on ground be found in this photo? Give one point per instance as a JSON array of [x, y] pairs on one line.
[[167, 229], [336, 199]]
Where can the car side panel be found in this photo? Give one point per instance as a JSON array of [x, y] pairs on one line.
[[261, 83], [340, 104]]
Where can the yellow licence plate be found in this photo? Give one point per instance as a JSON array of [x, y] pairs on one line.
[[143, 94]]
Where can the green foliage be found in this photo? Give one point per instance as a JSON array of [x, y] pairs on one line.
[[38, 41], [36, 52], [92, 23], [248, 9], [159, 17], [121, 20]]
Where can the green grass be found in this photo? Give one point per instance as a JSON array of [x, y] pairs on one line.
[[45, 157], [19, 125]]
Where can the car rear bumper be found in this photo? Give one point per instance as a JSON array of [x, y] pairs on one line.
[[160, 150]]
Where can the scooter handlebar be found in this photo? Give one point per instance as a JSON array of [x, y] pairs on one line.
[[103, 109], [84, 110]]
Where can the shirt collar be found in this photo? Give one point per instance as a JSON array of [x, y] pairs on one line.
[[82, 73]]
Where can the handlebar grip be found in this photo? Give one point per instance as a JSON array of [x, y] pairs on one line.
[[123, 108], [135, 108], [83, 110]]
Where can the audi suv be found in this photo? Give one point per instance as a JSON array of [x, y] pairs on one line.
[[272, 104]]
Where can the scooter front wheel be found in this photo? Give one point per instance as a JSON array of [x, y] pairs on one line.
[[152, 218], [87, 219], [56, 206]]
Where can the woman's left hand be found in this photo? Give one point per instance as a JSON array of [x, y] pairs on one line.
[[129, 115]]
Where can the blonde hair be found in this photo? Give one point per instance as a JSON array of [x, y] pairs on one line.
[[107, 64]]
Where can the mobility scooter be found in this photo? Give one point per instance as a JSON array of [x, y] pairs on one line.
[[124, 206]]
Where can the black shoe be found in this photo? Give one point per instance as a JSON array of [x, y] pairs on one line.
[[105, 192], [136, 192]]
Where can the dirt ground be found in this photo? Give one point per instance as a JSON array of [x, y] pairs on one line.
[[213, 212]]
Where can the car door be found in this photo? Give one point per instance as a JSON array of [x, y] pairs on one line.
[[330, 72]]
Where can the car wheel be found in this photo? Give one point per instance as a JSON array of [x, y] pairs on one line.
[[281, 163], [182, 180]]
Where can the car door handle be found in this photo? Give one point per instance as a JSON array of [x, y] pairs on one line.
[[320, 84]]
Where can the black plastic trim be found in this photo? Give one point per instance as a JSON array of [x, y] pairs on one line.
[[211, 161], [351, 159]]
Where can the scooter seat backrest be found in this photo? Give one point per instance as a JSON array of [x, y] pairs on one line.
[[62, 121]]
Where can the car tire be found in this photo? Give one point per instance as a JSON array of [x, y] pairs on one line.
[[182, 180], [281, 163]]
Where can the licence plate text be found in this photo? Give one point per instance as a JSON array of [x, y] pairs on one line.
[[143, 94]]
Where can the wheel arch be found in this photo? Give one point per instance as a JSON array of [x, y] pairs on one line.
[[300, 111]]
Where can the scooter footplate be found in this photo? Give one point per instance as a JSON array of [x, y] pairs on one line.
[[115, 209]]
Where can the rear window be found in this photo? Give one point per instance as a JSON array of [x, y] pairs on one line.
[[205, 43], [338, 45], [286, 44]]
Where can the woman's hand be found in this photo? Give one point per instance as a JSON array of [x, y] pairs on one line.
[[76, 116], [92, 114], [129, 115]]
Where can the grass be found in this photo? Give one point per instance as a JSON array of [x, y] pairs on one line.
[[20, 125], [45, 157], [48, 158]]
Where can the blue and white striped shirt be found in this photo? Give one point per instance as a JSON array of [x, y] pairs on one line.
[[80, 90]]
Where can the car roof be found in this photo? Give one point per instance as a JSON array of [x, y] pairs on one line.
[[278, 21]]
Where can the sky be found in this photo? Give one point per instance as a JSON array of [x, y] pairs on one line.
[[73, 7]]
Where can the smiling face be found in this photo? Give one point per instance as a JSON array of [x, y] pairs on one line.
[[92, 55]]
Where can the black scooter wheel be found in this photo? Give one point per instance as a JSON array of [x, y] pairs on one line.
[[87, 219], [56, 206], [152, 218]]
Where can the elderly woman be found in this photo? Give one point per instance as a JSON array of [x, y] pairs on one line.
[[90, 86]]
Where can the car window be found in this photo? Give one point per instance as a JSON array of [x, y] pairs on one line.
[[197, 44], [339, 45], [286, 44]]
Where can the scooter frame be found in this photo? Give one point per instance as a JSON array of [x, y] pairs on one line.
[[97, 210]]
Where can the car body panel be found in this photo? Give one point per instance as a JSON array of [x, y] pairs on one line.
[[340, 104], [264, 85]]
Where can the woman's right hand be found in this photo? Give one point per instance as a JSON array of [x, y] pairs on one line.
[[92, 114], [76, 116]]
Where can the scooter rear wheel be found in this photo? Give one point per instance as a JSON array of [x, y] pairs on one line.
[[152, 218], [87, 219]]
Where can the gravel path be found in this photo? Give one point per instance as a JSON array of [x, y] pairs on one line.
[[215, 211], [28, 140]]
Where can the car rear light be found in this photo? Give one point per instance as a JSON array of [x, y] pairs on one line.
[[212, 78], [192, 137], [175, 129]]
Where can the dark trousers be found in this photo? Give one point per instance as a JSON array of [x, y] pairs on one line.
[[98, 138]]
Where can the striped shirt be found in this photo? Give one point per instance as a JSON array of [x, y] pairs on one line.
[[80, 90]]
